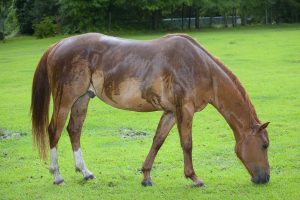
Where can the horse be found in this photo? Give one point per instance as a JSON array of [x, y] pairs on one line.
[[173, 74]]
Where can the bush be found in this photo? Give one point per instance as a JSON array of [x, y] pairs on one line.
[[46, 28], [11, 24], [1, 36]]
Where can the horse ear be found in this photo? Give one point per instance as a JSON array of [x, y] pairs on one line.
[[263, 126]]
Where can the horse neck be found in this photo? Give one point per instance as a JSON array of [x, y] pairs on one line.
[[232, 101]]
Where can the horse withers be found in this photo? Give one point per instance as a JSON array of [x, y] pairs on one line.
[[173, 74]]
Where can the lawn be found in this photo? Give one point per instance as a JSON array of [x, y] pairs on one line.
[[266, 60]]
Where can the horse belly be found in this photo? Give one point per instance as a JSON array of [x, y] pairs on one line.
[[126, 95]]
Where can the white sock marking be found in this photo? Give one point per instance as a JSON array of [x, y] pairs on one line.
[[54, 165], [79, 163]]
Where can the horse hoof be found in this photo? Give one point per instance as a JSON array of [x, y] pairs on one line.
[[89, 177], [146, 183], [59, 182], [198, 183]]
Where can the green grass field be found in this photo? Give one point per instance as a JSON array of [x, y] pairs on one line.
[[266, 60]]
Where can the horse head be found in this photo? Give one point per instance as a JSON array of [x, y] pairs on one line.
[[252, 150]]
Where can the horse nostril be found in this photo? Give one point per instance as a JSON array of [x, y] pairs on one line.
[[265, 179]]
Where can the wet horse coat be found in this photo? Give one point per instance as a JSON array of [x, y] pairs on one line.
[[173, 74]]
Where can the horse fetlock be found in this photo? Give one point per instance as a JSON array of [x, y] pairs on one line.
[[53, 169], [146, 169], [190, 174]]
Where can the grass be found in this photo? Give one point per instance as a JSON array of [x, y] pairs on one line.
[[266, 60]]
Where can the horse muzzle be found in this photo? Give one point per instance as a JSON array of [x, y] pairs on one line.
[[261, 178]]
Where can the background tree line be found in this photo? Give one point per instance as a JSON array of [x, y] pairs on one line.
[[66, 16]]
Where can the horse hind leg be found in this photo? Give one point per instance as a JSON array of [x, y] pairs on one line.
[[78, 114], [55, 128]]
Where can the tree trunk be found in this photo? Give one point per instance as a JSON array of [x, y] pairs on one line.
[[271, 16], [266, 12], [109, 16], [182, 15], [210, 21], [225, 20], [190, 13], [235, 16], [172, 13], [153, 20], [157, 19], [197, 18], [2, 28], [244, 19], [233, 19], [109, 20]]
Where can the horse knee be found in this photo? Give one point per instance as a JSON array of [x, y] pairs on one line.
[[72, 128], [187, 146]]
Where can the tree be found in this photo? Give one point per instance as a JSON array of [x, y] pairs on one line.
[[98, 15], [80, 16], [45, 8], [198, 5], [4, 10], [25, 16]]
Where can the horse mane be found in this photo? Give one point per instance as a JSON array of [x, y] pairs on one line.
[[229, 73]]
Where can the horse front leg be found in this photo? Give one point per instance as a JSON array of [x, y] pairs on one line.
[[78, 114], [184, 117], [166, 122]]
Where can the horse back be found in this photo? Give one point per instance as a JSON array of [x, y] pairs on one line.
[[132, 75]]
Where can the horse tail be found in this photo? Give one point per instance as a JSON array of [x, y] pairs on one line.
[[40, 100]]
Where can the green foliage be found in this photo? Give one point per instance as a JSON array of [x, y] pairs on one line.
[[25, 15], [46, 28], [30, 12], [112, 15], [45, 8], [11, 22], [265, 59], [1, 36], [80, 16], [4, 10]]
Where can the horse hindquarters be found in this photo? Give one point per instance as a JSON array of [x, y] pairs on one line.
[[68, 83]]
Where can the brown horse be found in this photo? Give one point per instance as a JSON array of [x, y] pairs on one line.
[[174, 74]]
